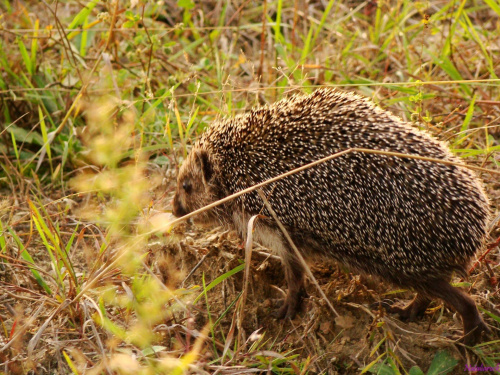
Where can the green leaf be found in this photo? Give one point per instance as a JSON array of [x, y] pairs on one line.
[[45, 137], [277, 26], [3, 242], [186, 4], [442, 364], [27, 257], [447, 65], [307, 46], [373, 364], [490, 314], [447, 47], [24, 136], [415, 370], [153, 350], [493, 5], [84, 38], [71, 365], [34, 46], [322, 22], [465, 125], [132, 16], [24, 54], [382, 369], [218, 280], [83, 14]]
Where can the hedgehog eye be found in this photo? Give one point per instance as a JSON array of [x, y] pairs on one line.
[[186, 186]]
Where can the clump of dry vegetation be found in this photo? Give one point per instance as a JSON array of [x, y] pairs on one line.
[[100, 102]]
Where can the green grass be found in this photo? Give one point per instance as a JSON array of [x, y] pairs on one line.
[[99, 106]]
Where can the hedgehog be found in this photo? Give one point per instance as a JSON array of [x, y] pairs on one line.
[[414, 223]]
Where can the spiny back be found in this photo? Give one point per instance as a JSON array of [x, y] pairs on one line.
[[388, 210]]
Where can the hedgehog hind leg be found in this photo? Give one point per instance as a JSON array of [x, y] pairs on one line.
[[473, 324], [294, 275]]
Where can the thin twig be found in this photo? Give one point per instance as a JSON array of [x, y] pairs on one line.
[[196, 267], [148, 69], [488, 250], [262, 41], [248, 259], [296, 87], [310, 165]]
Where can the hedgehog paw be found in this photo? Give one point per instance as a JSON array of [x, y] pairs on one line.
[[473, 333], [408, 313], [414, 310], [290, 306], [386, 304], [282, 312]]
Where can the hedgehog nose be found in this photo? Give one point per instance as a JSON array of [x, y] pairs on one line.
[[177, 209]]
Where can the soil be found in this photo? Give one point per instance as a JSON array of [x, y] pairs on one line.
[[336, 345]]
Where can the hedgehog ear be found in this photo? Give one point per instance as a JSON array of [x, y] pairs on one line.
[[205, 165]]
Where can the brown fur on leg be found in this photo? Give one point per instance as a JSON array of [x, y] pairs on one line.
[[294, 275], [473, 323]]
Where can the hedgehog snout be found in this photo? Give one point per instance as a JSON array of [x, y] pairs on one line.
[[177, 208]]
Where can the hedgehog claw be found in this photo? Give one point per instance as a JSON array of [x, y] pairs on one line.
[[386, 304], [281, 313], [287, 310], [473, 337], [409, 313], [474, 333], [291, 305]]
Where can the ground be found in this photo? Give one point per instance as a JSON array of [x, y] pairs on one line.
[[337, 344]]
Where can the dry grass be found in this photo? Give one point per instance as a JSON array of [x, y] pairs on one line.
[[101, 101]]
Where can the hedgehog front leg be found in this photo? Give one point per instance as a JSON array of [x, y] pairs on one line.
[[413, 310], [294, 275]]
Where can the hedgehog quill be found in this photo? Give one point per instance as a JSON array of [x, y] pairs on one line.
[[411, 222]]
